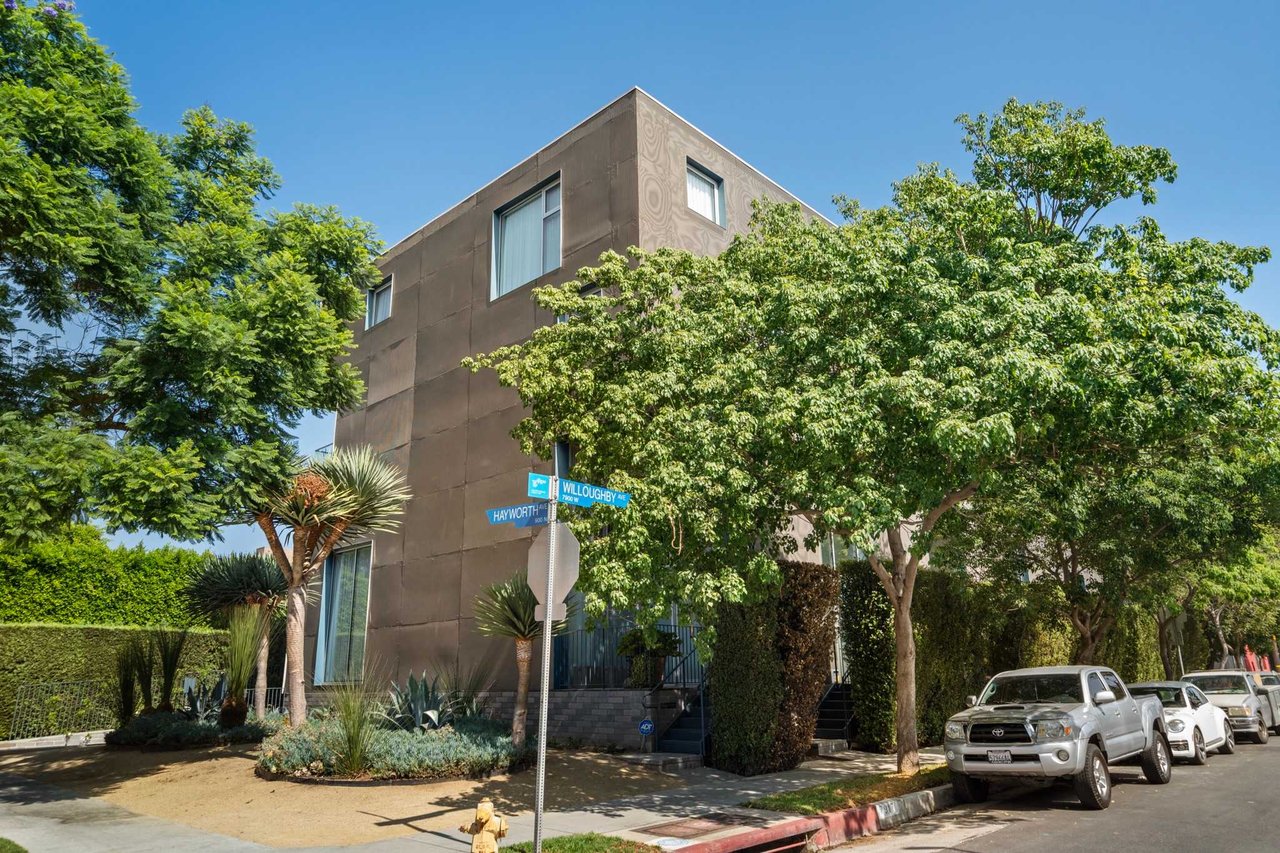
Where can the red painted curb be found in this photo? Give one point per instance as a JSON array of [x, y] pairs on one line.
[[752, 837]]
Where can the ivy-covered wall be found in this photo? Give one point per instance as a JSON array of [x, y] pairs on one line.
[[78, 578]]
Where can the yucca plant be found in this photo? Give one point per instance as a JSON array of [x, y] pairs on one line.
[[351, 493], [142, 653], [245, 626], [169, 646], [223, 582], [506, 609], [356, 710], [126, 686]]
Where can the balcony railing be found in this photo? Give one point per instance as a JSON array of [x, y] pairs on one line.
[[589, 658]]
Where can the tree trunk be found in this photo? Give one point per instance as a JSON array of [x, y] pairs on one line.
[[260, 685], [1164, 626], [295, 623], [905, 678], [524, 657], [1216, 616]]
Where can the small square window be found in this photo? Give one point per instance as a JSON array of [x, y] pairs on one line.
[[378, 304], [526, 239], [705, 193]]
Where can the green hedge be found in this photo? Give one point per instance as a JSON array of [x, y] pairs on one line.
[[866, 637], [805, 634], [42, 653], [1132, 647], [745, 684], [77, 578]]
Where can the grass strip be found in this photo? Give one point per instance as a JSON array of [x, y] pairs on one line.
[[590, 842], [851, 791]]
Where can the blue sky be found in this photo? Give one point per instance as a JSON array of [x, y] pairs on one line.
[[396, 110]]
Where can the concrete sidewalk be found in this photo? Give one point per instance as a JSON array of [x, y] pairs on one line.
[[42, 817]]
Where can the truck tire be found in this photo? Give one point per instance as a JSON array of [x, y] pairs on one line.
[[968, 789], [1093, 783], [1199, 755], [1156, 764], [1262, 735]]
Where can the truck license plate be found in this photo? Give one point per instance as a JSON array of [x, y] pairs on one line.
[[999, 756]]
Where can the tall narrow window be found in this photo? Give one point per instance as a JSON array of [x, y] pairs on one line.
[[526, 240], [344, 616], [705, 193], [378, 304]]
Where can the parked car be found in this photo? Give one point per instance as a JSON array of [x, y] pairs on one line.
[[1056, 722], [1248, 708], [1266, 679], [1195, 724]]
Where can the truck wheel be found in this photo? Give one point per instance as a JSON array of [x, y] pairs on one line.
[[1229, 744], [1199, 755], [1093, 783], [969, 789], [1262, 735], [1156, 765]]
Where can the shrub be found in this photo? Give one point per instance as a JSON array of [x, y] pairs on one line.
[[1132, 647], [745, 686], [169, 646], [355, 711], [174, 730], [866, 635], [648, 651], [37, 654], [806, 632], [77, 578], [470, 747]]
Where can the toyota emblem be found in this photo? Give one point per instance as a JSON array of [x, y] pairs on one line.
[[998, 732]]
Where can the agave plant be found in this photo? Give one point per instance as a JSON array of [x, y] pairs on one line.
[[420, 705], [204, 701]]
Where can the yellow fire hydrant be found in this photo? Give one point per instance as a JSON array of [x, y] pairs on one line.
[[486, 829]]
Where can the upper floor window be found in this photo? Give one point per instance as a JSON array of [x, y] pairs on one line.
[[378, 304], [705, 193], [526, 238]]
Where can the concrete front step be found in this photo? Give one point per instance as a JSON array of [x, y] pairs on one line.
[[828, 746], [664, 762]]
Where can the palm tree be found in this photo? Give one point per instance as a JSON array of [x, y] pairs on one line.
[[506, 609], [349, 494], [222, 583]]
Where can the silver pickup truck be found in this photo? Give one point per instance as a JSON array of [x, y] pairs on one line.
[[1251, 707], [1056, 722]]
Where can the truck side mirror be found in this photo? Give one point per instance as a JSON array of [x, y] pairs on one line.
[[970, 701], [1103, 697]]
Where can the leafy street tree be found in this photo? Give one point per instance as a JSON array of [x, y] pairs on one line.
[[351, 493], [1240, 597], [506, 609], [222, 583], [159, 337], [872, 378]]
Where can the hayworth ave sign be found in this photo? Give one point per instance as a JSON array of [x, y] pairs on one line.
[[553, 490]]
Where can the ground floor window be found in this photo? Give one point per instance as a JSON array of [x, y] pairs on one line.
[[344, 616]]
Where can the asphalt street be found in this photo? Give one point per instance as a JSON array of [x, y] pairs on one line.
[[1227, 805]]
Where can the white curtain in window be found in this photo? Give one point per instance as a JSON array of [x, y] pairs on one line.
[[347, 601], [520, 245], [702, 195]]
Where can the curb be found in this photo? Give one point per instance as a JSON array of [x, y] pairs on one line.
[[835, 828]]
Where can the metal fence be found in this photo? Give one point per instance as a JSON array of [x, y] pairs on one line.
[[589, 658], [60, 707]]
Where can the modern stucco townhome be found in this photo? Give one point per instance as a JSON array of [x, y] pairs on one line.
[[633, 174]]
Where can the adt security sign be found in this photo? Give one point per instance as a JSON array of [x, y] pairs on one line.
[[646, 727]]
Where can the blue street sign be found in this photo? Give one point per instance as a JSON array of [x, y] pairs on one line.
[[585, 494], [646, 727], [540, 486], [524, 515]]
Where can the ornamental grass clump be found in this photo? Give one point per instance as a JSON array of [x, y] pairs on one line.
[[126, 687], [142, 653], [169, 646], [355, 714], [245, 627]]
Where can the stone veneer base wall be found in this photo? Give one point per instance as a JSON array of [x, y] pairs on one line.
[[590, 717]]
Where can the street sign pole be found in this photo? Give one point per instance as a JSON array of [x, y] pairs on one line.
[[543, 694]]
